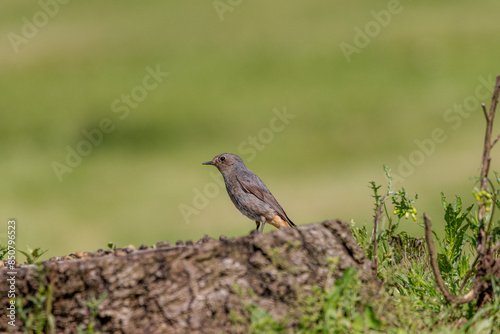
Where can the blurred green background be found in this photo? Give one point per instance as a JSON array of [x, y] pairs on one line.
[[229, 68]]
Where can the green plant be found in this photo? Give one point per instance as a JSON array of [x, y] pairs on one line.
[[404, 266], [263, 322], [111, 245], [340, 309], [36, 311], [32, 255], [410, 272], [452, 260], [3, 251], [387, 244], [401, 260], [487, 262], [93, 305]]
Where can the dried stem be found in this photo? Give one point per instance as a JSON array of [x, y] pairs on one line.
[[495, 141], [485, 166], [483, 106], [490, 116], [450, 298]]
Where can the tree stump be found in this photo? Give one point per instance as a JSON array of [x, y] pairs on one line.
[[197, 288]]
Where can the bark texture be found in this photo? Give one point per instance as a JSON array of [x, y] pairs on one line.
[[200, 288]]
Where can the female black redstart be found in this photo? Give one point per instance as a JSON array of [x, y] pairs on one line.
[[248, 193]]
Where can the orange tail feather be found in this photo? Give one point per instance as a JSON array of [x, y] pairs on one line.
[[278, 222]]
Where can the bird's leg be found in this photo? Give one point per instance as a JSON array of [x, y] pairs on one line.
[[262, 228], [258, 225]]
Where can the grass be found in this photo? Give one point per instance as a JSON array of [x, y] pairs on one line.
[[35, 311], [409, 301], [225, 79]]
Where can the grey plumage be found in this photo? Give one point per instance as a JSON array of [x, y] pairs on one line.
[[248, 193]]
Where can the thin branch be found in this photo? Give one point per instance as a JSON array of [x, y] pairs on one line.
[[495, 141], [496, 93], [450, 298], [486, 158], [467, 298], [484, 111]]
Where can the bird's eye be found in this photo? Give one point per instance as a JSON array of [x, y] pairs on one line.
[[222, 158]]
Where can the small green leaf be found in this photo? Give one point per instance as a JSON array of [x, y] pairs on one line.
[[444, 264]]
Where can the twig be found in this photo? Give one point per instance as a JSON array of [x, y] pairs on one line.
[[485, 167], [485, 161], [495, 141], [450, 298], [484, 111], [496, 94]]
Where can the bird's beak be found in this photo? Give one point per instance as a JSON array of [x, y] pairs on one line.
[[208, 163]]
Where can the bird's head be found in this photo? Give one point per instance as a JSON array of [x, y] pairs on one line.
[[225, 162]]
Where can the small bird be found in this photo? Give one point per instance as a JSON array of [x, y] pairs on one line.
[[248, 193]]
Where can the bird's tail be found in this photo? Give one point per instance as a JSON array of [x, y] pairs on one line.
[[279, 222]]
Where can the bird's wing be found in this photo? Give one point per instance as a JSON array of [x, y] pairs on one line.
[[259, 190]]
